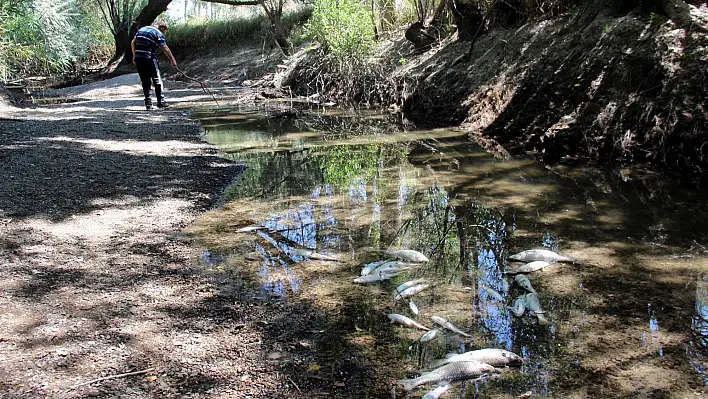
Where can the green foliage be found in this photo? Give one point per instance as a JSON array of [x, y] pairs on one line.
[[41, 37], [343, 27], [197, 32], [345, 166]]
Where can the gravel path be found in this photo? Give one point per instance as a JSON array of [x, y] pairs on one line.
[[95, 278]]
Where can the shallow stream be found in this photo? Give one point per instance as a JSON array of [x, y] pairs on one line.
[[629, 319]]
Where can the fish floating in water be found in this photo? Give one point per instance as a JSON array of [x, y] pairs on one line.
[[534, 305], [449, 372], [437, 392], [524, 282], [308, 253], [505, 286], [430, 335], [442, 322], [406, 321], [408, 284], [491, 356], [248, 229], [413, 307], [392, 267], [532, 255], [374, 278], [408, 255], [519, 307], [410, 291], [369, 267], [529, 267]]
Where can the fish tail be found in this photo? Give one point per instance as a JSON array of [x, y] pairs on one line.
[[409, 384]]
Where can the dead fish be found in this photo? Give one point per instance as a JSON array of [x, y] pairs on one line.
[[413, 307], [430, 335], [411, 291], [492, 293], [449, 372], [534, 305], [505, 286], [442, 322], [312, 254], [407, 285], [524, 282], [437, 392], [529, 267], [392, 267], [369, 267], [519, 307], [541, 254], [408, 255], [374, 278], [491, 356], [406, 321], [249, 229]]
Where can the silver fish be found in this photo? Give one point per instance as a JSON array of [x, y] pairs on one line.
[[449, 372], [369, 267], [414, 307], [312, 254], [411, 291], [406, 321], [529, 267], [392, 267], [491, 356], [524, 282], [374, 278], [407, 284], [492, 293], [408, 255], [437, 392], [534, 305], [519, 307], [541, 254], [430, 335], [249, 229], [442, 322]]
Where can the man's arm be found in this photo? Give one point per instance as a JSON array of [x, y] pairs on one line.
[[169, 55], [132, 48]]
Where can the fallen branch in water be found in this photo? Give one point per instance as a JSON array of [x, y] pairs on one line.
[[111, 377]]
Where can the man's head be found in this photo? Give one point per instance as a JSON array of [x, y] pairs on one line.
[[161, 25]]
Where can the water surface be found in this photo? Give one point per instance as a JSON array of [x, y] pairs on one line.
[[629, 320]]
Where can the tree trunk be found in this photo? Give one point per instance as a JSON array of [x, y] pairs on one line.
[[276, 25], [122, 40], [146, 17]]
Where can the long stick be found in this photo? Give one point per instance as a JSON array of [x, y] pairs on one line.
[[110, 377], [200, 83]]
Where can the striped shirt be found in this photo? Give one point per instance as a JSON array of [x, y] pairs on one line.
[[147, 40]]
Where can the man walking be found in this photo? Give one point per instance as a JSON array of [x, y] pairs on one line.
[[144, 46]]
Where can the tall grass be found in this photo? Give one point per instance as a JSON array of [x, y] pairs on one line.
[[41, 37], [247, 27]]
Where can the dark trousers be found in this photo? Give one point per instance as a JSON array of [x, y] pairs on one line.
[[149, 72]]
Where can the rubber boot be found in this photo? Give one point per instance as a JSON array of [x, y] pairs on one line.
[[146, 93], [158, 92]]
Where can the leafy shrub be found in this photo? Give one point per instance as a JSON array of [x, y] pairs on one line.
[[343, 27]]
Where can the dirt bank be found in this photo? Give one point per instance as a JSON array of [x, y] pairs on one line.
[[590, 88]]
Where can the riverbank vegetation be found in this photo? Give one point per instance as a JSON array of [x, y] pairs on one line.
[[572, 81]]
